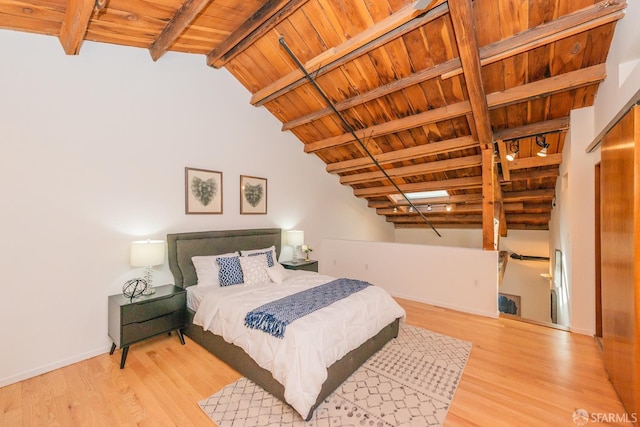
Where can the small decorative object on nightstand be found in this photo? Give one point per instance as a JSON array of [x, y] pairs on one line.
[[311, 265], [133, 320]]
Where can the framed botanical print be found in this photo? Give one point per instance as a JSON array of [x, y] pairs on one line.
[[253, 195], [203, 191]]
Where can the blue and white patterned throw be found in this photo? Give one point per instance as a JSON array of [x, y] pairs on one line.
[[274, 316]]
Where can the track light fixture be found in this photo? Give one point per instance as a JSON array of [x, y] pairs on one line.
[[541, 141], [514, 148]]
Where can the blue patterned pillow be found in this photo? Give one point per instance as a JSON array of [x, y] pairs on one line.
[[230, 271]]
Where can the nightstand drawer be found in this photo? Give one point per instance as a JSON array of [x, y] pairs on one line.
[[147, 310], [165, 323]]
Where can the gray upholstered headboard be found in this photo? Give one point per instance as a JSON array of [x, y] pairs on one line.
[[183, 246]]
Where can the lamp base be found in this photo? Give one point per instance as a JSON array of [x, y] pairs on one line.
[[148, 277]]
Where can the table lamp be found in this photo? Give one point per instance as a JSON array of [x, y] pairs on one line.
[[295, 238], [147, 253]]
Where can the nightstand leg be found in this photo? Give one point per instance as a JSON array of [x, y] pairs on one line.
[[181, 337], [125, 350], [113, 348]]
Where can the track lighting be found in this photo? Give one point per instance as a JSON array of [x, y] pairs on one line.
[[514, 148], [541, 141]]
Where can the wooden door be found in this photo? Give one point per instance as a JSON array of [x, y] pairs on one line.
[[620, 256]]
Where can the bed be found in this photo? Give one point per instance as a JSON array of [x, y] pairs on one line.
[[183, 246]]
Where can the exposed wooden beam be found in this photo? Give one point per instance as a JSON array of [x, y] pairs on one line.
[[457, 209], [404, 21], [522, 175], [413, 170], [536, 161], [380, 91], [446, 184], [75, 23], [502, 154], [264, 20], [583, 20], [461, 12], [180, 21], [432, 149], [523, 196], [549, 86], [516, 226], [489, 241], [546, 33], [416, 120], [530, 91], [561, 124]]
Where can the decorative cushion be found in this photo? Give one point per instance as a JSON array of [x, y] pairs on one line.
[[277, 273], [207, 269], [254, 269], [230, 271], [271, 254]]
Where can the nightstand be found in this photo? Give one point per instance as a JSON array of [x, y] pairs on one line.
[[133, 320], [310, 265]]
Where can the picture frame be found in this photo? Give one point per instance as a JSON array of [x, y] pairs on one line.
[[253, 195], [203, 191]]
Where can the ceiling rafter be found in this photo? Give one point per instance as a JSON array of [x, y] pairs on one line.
[[412, 170], [432, 149], [75, 23], [544, 87], [396, 24], [546, 33], [178, 23], [264, 20]]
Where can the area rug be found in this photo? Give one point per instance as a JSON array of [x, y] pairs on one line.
[[409, 382]]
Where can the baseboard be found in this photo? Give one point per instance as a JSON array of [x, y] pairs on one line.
[[53, 366]]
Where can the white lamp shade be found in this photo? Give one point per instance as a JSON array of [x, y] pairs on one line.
[[145, 253], [295, 237]]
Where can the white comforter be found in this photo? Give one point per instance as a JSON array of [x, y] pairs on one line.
[[311, 344]]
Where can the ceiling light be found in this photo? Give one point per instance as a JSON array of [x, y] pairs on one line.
[[429, 208], [514, 148], [448, 208], [541, 142]]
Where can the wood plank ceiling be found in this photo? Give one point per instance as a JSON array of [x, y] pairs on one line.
[[438, 92]]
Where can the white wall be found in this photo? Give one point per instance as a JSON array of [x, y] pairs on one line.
[[461, 238], [458, 278], [92, 156], [523, 278], [572, 222]]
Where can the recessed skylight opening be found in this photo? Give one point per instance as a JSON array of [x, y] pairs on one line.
[[419, 195]]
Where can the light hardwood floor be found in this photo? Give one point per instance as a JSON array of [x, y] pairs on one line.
[[518, 374]]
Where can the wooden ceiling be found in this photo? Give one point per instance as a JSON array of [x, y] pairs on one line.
[[437, 92]]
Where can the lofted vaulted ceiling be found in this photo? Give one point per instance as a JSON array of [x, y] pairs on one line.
[[424, 95]]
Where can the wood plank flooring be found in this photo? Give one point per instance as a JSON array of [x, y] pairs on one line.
[[519, 374]]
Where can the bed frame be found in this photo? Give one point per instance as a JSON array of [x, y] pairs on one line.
[[183, 246]]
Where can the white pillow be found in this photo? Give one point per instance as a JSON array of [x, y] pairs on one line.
[[254, 269], [207, 269], [272, 250], [277, 273]]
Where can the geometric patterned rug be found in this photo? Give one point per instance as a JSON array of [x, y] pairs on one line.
[[409, 382]]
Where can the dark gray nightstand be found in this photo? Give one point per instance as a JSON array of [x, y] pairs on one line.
[[310, 265], [143, 317]]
